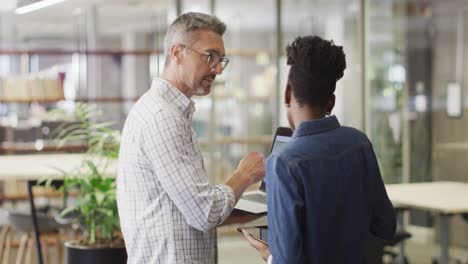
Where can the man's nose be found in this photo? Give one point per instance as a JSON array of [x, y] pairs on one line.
[[218, 69]]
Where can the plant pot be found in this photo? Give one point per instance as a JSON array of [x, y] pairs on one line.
[[79, 254]]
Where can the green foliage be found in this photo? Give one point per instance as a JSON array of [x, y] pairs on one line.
[[100, 139], [388, 150], [96, 207]]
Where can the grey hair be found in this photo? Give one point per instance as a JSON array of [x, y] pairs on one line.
[[180, 30]]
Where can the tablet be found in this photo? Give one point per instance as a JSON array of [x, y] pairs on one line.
[[254, 233]]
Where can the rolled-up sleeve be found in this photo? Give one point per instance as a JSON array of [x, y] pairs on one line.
[[177, 164]]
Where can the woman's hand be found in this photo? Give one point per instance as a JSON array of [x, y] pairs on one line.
[[259, 246]]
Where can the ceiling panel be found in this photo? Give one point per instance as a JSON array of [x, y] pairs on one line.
[[66, 18], [119, 16]]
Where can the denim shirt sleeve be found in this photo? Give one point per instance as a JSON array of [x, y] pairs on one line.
[[285, 212], [383, 218]]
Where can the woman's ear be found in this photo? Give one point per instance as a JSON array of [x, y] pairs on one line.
[[330, 105], [287, 95]]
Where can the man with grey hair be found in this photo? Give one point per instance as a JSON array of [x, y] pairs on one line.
[[168, 210]]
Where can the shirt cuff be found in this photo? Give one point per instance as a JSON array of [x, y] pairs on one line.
[[270, 259], [230, 201]]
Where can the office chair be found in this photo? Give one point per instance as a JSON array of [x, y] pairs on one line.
[[400, 236], [34, 215], [376, 247], [35, 222]]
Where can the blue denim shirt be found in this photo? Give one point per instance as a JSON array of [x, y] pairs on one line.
[[324, 195]]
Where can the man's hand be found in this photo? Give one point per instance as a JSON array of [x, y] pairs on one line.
[[259, 246], [251, 169]]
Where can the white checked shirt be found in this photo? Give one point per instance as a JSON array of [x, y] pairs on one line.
[[168, 211]]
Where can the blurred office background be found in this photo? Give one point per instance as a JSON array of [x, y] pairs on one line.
[[404, 84]]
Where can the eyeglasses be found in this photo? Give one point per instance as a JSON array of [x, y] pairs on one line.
[[213, 58]]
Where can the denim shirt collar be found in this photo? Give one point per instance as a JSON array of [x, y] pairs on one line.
[[316, 126]]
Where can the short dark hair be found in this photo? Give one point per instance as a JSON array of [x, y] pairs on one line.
[[316, 66]]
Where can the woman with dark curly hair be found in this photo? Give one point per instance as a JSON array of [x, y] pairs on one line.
[[325, 191]]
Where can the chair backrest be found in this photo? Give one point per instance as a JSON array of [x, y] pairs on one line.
[[3, 240], [37, 232]]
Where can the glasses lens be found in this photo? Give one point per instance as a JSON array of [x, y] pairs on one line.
[[224, 62], [213, 60]]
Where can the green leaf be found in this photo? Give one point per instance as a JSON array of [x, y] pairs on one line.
[[100, 198], [93, 167], [106, 212], [69, 209]]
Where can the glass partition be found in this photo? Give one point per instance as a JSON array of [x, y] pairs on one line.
[[338, 20], [386, 72], [237, 117], [416, 98]]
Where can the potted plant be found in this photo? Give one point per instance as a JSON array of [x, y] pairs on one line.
[[95, 210]]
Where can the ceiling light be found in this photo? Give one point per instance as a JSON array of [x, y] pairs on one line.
[[36, 6]]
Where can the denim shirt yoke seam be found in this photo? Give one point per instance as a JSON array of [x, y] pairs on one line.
[[328, 157]]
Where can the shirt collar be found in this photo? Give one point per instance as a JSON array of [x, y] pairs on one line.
[[173, 96], [316, 126]]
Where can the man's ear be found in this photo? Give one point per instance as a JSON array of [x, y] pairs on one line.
[[330, 104], [287, 95], [176, 52]]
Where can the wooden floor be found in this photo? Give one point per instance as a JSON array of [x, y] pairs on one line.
[[234, 249]]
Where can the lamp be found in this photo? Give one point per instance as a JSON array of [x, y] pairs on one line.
[[26, 6]]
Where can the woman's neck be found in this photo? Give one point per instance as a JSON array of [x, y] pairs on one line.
[[306, 113]]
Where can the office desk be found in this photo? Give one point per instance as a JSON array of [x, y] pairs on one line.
[[38, 166], [443, 198]]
